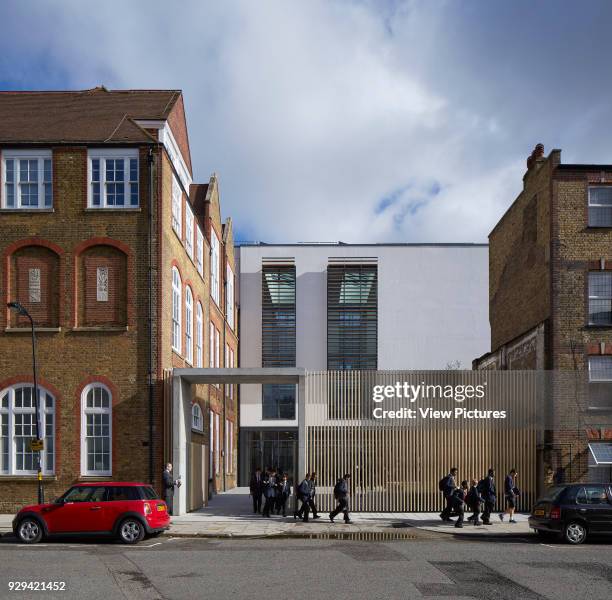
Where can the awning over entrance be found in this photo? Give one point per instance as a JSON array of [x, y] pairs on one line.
[[183, 379]]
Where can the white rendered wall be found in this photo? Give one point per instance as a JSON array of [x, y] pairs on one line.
[[432, 308]]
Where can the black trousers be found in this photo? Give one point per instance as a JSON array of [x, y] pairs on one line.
[[304, 510], [460, 512], [311, 505], [341, 508], [489, 506], [257, 502], [448, 509], [268, 506], [169, 499], [475, 513], [281, 504]]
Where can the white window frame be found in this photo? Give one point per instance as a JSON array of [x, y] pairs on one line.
[[16, 155], [214, 266], [189, 230], [104, 154], [197, 421], [199, 336], [592, 274], [229, 297], [199, 254], [602, 358], [189, 325], [176, 310], [7, 423], [98, 411], [177, 207]]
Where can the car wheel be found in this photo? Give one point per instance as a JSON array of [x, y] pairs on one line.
[[575, 533], [29, 531], [131, 531]]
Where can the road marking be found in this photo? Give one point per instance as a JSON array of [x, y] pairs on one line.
[[141, 546]]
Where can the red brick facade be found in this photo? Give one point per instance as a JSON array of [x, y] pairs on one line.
[[83, 274]]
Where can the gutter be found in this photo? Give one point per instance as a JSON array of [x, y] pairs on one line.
[[151, 383]]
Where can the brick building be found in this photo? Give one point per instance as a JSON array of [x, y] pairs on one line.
[[128, 271], [550, 308]]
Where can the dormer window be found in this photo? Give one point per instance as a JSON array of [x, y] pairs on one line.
[[113, 178], [27, 177]]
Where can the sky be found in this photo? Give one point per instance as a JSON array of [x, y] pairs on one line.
[[352, 120]]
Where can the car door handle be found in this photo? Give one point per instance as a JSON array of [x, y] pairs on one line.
[[95, 508], [583, 509]]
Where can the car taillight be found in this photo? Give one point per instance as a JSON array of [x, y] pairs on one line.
[[161, 507], [555, 512], [147, 508]]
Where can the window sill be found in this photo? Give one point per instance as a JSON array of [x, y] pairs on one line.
[[198, 431], [132, 209], [27, 478], [29, 329], [94, 478], [594, 326], [27, 210], [177, 353], [601, 410], [102, 329]]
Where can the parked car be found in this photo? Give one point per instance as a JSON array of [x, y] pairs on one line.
[[128, 511], [573, 512]]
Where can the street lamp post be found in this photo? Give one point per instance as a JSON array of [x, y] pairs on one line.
[[20, 309]]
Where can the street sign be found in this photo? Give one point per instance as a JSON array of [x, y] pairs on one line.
[[37, 445]]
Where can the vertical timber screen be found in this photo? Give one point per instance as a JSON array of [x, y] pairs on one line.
[[396, 463]]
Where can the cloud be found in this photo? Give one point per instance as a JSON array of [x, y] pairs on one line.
[[360, 121]]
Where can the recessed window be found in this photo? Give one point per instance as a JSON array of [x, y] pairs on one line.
[[229, 297], [96, 430], [214, 266], [113, 178], [600, 206], [600, 368], [199, 335], [18, 429], [177, 208], [28, 179], [600, 297], [197, 422], [189, 230], [176, 310], [188, 325], [199, 257]]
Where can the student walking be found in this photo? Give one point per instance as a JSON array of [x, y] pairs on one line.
[[284, 492], [313, 493], [510, 494], [447, 485], [256, 489], [487, 489], [269, 492], [341, 494], [303, 494], [474, 501], [458, 502]]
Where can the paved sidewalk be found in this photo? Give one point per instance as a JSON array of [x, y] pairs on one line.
[[230, 514]]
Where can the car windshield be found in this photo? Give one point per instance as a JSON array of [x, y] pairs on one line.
[[149, 493], [552, 493]]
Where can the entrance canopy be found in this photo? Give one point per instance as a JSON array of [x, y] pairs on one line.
[[183, 379]]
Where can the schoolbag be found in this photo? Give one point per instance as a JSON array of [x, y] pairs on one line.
[[443, 482], [337, 489], [483, 486]]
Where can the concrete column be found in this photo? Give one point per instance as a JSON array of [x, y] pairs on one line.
[[181, 436]]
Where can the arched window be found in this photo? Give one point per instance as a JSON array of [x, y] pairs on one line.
[[96, 430], [199, 335], [18, 428], [188, 325], [176, 310], [197, 422]]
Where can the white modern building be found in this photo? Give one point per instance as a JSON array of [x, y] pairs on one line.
[[341, 307]]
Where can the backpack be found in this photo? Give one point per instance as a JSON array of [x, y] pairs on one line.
[[337, 488], [443, 482], [483, 486]]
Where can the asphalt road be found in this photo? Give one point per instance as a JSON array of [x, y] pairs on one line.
[[428, 566]]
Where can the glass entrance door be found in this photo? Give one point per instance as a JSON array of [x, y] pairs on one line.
[[268, 449]]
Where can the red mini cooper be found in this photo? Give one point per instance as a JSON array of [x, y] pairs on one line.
[[128, 511]]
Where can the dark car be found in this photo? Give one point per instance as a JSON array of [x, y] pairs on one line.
[[573, 512], [128, 511]]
